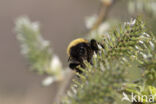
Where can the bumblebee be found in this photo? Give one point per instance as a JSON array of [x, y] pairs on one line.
[[79, 50]]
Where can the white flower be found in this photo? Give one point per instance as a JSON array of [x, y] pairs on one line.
[[56, 65], [145, 34], [152, 45], [103, 27], [69, 93], [47, 81], [141, 42], [25, 49], [95, 55], [131, 23], [144, 55], [99, 46], [44, 43], [35, 26], [24, 21], [74, 90], [90, 21], [124, 59], [136, 47]]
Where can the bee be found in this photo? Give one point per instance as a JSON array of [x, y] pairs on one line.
[[79, 50]]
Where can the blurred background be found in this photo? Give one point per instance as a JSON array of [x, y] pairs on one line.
[[61, 21]]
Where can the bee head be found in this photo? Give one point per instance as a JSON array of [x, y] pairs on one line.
[[79, 50], [94, 45]]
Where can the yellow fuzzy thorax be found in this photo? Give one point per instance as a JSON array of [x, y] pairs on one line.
[[74, 43]]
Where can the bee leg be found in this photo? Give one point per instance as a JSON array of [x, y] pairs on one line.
[[102, 45], [73, 66]]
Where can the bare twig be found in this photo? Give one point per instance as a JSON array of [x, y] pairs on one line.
[[64, 86], [106, 4]]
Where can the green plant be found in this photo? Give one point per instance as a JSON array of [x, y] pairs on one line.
[[126, 49], [126, 64]]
